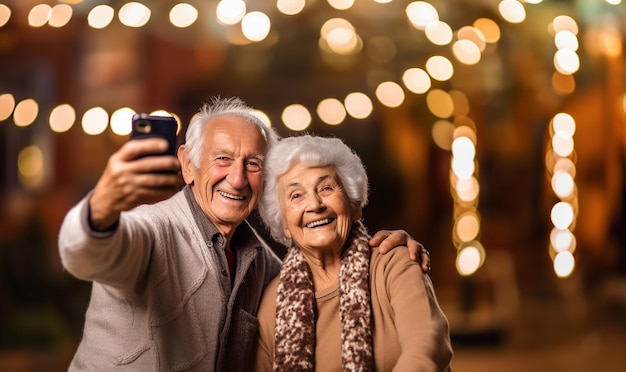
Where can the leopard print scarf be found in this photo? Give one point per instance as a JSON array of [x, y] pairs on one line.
[[296, 315]]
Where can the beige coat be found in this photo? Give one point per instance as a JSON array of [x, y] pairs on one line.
[[410, 330]]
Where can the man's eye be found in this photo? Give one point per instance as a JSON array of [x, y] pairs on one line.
[[223, 160], [253, 166], [295, 196]]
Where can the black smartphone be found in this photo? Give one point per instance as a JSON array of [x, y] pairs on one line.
[[147, 126]]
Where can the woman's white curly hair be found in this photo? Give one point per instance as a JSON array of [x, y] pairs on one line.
[[312, 151]]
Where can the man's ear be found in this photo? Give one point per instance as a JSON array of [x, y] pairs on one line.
[[187, 168]]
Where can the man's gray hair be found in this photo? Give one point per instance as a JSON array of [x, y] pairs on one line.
[[215, 107], [311, 151]]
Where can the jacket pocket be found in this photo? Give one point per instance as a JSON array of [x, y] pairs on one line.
[[179, 340], [241, 340]]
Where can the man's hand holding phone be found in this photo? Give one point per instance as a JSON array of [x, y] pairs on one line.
[[135, 176]]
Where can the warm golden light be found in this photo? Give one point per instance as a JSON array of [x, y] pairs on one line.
[[341, 4], [489, 28], [7, 104], [463, 147], [566, 61], [439, 68], [442, 134], [95, 121], [39, 15], [565, 39], [121, 121], [134, 14], [564, 264], [611, 43], [25, 112], [5, 14], [358, 105], [463, 168], [342, 40], [563, 124], [564, 23], [62, 118], [390, 94], [30, 165], [562, 240], [474, 35], [563, 184], [421, 13], [467, 189], [290, 7], [464, 129], [440, 103], [230, 12], [467, 227], [183, 15], [100, 16], [332, 24], [60, 15], [470, 258], [255, 26], [565, 165], [438, 33], [30, 161], [416, 80], [512, 11], [562, 215], [466, 52], [331, 111], [562, 144], [296, 117]]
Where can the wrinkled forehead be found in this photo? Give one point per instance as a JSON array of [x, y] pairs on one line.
[[235, 131]]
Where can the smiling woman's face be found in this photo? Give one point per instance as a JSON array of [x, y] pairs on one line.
[[315, 207]]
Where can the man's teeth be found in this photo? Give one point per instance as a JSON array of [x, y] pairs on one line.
[[231, 196], [318, 223]]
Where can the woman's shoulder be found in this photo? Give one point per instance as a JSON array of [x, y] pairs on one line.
[[395, 256], [270, 291], [394, 264]]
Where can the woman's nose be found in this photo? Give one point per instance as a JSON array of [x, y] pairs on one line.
[[315, 203]]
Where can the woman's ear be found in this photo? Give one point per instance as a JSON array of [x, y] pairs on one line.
[[286, 232], [187, 168], [357, 213]]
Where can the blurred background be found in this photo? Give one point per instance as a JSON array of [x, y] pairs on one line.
[[492, 131]]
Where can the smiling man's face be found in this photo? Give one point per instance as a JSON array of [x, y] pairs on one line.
[[315, 207], [229, 179]]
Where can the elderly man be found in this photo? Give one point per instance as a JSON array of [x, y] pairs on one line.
[[177, 274]]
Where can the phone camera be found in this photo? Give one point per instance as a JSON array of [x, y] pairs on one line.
[[143, 126]]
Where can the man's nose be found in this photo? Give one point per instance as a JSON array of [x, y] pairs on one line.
[[237, 175]]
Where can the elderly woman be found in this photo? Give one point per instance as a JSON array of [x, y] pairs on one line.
[[337, 304]]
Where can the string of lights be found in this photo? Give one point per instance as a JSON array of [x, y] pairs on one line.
[[452, 128]]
